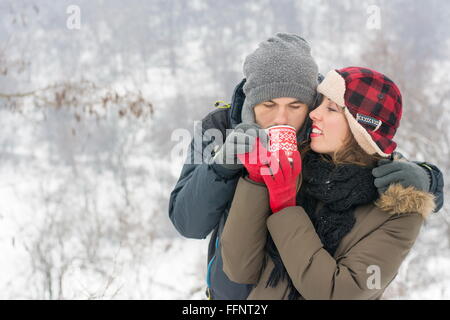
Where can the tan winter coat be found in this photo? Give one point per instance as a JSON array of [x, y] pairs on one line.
[[382, 236]]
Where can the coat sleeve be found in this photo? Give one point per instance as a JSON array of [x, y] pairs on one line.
[[203, 191], [436, 180], [245, 232], [318, 275], [436, 183]]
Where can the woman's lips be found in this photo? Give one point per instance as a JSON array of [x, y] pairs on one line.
[[316, 132]]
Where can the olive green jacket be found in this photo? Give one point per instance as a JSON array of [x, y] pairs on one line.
[[366, 261]]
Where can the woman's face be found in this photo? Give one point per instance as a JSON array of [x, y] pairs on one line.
[[281, 111], [330, 128]]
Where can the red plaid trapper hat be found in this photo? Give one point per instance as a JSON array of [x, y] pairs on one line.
[[372, 104]]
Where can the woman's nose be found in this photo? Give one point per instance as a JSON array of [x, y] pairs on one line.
[[314, 115]]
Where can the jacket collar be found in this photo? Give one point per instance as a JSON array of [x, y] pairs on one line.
[[237, 102]]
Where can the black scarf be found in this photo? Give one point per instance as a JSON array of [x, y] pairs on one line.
[[341, 189]]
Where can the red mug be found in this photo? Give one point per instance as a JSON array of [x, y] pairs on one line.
[[284, 138]]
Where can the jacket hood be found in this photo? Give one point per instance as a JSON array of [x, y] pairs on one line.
[[400, 200], [237, 101]]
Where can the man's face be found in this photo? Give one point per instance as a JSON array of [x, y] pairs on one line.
[[281, 111]]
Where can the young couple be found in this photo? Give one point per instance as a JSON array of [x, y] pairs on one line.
[[338, 221]]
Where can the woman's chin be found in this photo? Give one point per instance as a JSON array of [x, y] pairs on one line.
[[316, 147]]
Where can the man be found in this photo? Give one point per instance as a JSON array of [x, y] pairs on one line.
[[279, 87]]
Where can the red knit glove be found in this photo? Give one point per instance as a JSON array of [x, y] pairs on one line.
[[253, 161], [282, 184]]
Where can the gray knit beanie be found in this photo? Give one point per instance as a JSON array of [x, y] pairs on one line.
[[281, 66]]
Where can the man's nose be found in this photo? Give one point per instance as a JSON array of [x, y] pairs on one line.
[[281, 117]]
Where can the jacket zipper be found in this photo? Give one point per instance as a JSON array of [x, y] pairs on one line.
[[208, 273]]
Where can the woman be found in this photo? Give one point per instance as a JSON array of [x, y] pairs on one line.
[[336, 238]]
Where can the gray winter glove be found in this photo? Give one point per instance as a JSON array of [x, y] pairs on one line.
[[241, 140], [404, 172]]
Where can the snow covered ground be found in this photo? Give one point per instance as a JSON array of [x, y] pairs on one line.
[[67, 232]]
